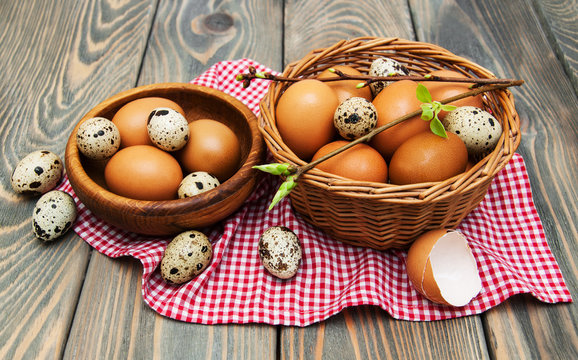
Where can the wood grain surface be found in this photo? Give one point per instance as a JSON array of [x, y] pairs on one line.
[[560, 24], [61, 58], [549, 146]]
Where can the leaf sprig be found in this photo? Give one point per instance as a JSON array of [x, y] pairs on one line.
[[430, 110]]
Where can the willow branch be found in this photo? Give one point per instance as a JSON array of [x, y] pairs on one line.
[[367, 79], [299, 170]]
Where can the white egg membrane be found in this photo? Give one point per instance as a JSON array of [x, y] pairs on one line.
[[454, 269]]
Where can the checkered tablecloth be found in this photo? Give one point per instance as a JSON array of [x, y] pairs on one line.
[[504, 232]]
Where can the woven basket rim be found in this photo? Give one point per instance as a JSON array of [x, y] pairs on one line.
[[484, 170]]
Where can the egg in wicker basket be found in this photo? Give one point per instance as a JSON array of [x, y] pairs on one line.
[[382, 215]]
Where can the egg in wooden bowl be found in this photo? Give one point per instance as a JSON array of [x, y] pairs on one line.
[[170, 214]]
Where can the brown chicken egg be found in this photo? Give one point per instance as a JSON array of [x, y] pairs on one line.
[[394, 101], [212, 147], [346, 89], [143, 172], [443, 90], [131, 119], [440, 266], [360, 162], [428, 157], [304, 116]]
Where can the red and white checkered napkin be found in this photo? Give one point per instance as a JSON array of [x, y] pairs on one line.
[[504, 232]]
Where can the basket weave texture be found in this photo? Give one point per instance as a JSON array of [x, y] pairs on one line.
[[380, 215]]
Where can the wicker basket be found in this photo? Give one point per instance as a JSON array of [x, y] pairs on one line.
[[385, 216]]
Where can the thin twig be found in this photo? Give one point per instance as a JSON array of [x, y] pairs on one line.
[[299, 170], [367, 79]]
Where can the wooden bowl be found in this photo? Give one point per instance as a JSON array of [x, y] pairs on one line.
[[170, 217]]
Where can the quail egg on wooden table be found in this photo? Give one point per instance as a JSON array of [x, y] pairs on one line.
[[53, 215], [185, 257], [37, 173], [98, 138], [280, 252]]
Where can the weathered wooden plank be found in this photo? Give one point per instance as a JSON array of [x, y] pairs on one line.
[[190, 36], [360, 333], [369, 333], [53, 71], [113, 322], [506, 37], [187, 37], [561, 26], [316, 24]]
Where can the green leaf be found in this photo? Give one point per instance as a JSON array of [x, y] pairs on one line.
[[240, 77], [284, 190], [275, 168], [360, 85], [260, 75], [423, 94], [437, 128], [447, 107], [426, 112]]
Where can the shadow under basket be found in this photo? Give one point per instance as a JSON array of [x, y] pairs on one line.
[[379, 215]]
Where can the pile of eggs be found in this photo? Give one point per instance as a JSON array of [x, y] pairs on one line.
[[316, 117], [38, 174], [152, 152]]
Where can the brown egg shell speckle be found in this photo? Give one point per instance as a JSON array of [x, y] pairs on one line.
[[185, 257], [280, 252], [53, 215], [37, 173]]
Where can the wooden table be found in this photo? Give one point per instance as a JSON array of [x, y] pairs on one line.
[[60, 58]]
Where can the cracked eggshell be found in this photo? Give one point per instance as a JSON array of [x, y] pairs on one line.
[[385, 67], [168, 129], [477, 128], [37, 173], [441, 267], [53, 215], [354, 118], [280, 252], [185, 257], [197, 183], [98, 138]]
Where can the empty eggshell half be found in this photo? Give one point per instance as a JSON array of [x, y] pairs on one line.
[[441, 266]]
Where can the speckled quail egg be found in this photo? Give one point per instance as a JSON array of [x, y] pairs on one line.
[[197, 183], [186, 256], [37, 173], [54, 214], [477, 128], [98, 138], [168, 129], [354, 118], [280, 251], [385, 67]]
